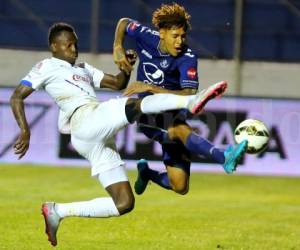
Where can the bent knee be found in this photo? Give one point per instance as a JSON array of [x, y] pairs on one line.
[[181, 191], [173, 132], [181, 188], [178, 132], [125, 205]]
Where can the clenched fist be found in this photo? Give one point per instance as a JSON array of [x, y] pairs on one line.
[[131, 56]]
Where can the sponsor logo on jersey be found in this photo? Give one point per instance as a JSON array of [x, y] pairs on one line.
[[192, 73], [133, 25], [153, 32], [146, 53], [84, 78], [153, 73], [148, 30], [164, 64]]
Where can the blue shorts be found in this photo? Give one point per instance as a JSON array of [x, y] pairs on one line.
[[174, 152]]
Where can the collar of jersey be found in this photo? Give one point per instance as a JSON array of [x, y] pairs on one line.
[[61, 62], [160, 52]]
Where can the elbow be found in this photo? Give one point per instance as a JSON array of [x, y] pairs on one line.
[[189, 92], [14, 100], [124, 20], [120, 86], [116, 88], [193, 91]]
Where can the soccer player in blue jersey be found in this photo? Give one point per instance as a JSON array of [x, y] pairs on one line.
[[168, 65]]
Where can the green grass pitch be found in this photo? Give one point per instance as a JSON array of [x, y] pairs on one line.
[[219, 212]]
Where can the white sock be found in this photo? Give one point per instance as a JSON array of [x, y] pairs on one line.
[[99, 207], [163, 102]]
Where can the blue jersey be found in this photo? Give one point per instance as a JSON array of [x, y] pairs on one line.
[[169, 72], [162, 70]]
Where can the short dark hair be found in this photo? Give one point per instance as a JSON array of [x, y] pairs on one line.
[[171, 15], [56, 29]]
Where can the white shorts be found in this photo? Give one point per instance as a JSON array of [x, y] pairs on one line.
[[112, 176], [93, 128]]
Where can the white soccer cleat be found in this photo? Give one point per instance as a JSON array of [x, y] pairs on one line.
[[52, 220], [196, 105]]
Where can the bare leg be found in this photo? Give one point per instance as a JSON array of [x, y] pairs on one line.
[[122, 196], [179, 180], [180, 132]]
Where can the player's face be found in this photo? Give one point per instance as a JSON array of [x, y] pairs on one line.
[[172, 40], [64, 47]]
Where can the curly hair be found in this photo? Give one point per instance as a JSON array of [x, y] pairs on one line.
[[56, 28], [173, 15]]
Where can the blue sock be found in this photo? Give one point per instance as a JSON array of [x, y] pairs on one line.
[[199, 145], [154, 133], [161, 179]]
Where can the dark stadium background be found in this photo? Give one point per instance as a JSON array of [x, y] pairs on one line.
[[270, 28]]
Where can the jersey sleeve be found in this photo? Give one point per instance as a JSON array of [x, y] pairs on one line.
[[96, 74], [139, 32], [133, 28], [38, 76], [188, 69]]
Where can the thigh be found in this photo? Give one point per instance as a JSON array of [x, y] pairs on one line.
[[177, 156], [178, 177], [164, 120], [99, 122], [102, 155], [111, 116], [113, 176]]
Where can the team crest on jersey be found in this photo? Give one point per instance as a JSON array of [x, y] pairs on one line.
[[164, 64], [153, 73], [133, 25], [192, 73]]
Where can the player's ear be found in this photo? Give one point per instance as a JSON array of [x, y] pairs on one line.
[[162, 33], [53, 47]]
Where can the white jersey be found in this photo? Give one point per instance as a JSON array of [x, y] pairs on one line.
[[92, 136], [69, 86]]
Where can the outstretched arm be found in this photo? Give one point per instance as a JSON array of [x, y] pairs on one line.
[[17, 105], [118, 50], [119, 81]]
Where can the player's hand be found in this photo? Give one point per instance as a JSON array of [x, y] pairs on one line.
[[136, 88], [22, 144], [131, 56], [120, 59]]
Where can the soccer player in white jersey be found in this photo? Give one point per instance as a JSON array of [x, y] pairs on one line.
[[92, 124]]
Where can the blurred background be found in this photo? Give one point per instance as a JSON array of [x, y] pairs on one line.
[[253, 44]]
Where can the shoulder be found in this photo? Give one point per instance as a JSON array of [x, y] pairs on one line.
[[149, 31], [189, 54], [82, 65], [86, 66], [187, 57], [43, 66], [136, 27]]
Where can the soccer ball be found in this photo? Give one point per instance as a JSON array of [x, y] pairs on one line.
[[255, 132]]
